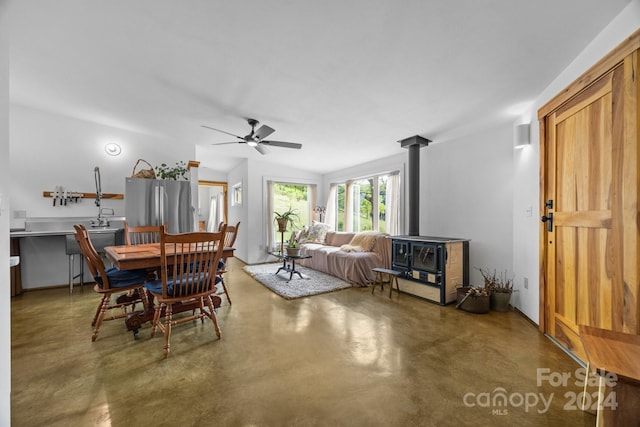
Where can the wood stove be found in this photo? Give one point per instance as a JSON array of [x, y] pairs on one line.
[[431, 267]]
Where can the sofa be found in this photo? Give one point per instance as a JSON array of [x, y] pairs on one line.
[[350, 256]]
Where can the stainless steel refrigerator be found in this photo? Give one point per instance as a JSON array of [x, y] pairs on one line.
[[160, 201]]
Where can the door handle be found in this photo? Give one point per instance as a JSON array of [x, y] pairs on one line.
[[549, 220]]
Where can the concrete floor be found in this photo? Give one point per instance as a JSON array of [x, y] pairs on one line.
[[343, 358]]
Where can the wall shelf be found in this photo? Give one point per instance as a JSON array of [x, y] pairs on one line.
[[115, 196]]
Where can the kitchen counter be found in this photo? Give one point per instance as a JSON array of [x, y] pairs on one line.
[[47, 246], [35, 227]]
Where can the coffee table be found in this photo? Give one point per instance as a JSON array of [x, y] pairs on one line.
[[289, 263]]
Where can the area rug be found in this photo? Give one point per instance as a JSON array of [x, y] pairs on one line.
[[312, 283]]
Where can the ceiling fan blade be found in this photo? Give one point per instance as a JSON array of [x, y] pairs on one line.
[[283, 144], [263, 132], [225, 143], [223, 131], [262, 149]]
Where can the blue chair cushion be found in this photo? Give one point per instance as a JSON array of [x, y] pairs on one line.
[[155, 286], [194, 266], [123, 278]]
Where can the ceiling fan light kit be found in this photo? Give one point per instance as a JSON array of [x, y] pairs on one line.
[[256, 138]]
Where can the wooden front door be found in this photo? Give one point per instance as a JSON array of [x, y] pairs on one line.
[[589, 242]]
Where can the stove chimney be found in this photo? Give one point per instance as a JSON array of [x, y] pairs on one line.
[[413, 144]]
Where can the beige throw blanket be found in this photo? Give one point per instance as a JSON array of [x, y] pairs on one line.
[[361, 242]]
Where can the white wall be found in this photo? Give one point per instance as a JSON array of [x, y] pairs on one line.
[[5, 293], [50, 149], [47, 150], [466, 191], [207, 174], [527, 165], [252, 237]]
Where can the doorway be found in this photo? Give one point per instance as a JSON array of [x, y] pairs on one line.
[[212, 196], [589, 240]]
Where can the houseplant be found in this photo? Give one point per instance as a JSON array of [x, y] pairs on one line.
[[179, 171], [501, 288], [293, 249], [285, 218]]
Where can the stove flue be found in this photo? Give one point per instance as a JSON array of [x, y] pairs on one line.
[[413, 144]]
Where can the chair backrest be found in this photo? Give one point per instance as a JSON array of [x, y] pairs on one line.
[[230, 234], [91, 256], [189, 263], [143, 234]]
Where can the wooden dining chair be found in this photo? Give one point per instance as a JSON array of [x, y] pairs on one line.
[[230, 236], [193, 258], [109, 281], [137, 235]]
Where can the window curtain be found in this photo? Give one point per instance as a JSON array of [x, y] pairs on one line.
[[392, 212], [271, 238], [330, 213], [312, 200], [212, 223], [348, 206]]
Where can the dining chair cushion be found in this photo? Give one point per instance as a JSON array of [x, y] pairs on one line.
[[155, 286], [123, 278], [194, 265]]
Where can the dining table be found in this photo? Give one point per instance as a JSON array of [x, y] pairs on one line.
[[146, 256]]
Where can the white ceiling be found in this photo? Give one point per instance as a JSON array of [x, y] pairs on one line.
[[346, 78]]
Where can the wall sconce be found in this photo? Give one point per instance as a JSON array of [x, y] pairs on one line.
[[112, 149], [320, 210], [521, 137]]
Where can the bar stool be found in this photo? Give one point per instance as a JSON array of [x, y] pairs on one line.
[[384, 275]]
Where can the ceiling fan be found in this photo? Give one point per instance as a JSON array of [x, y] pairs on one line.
[[256, 138]]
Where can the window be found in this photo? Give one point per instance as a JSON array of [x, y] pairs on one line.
[[282, 197], [236, 195], [369, 203]]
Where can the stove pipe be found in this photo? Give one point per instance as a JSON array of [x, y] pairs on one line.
[[413, 144]]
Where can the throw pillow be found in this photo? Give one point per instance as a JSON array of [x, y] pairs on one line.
[[317, 232], [304, 233]]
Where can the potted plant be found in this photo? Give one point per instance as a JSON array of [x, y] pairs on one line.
[[179, 171], [501, 288], [293, 249], [285, 218]]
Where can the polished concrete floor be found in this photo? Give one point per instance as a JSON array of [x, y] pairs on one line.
[[343, 358]]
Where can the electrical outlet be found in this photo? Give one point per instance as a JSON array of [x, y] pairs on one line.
[[526, 283], [19, 214]]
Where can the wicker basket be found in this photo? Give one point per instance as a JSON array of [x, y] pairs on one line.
[[143, 173], [480, 304]]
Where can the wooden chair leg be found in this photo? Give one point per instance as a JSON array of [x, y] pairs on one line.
[[225, 289], [104, 306], [156, 318], [95, 317], [601, 390], [167, 329], [213, 317], [584, 390]]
